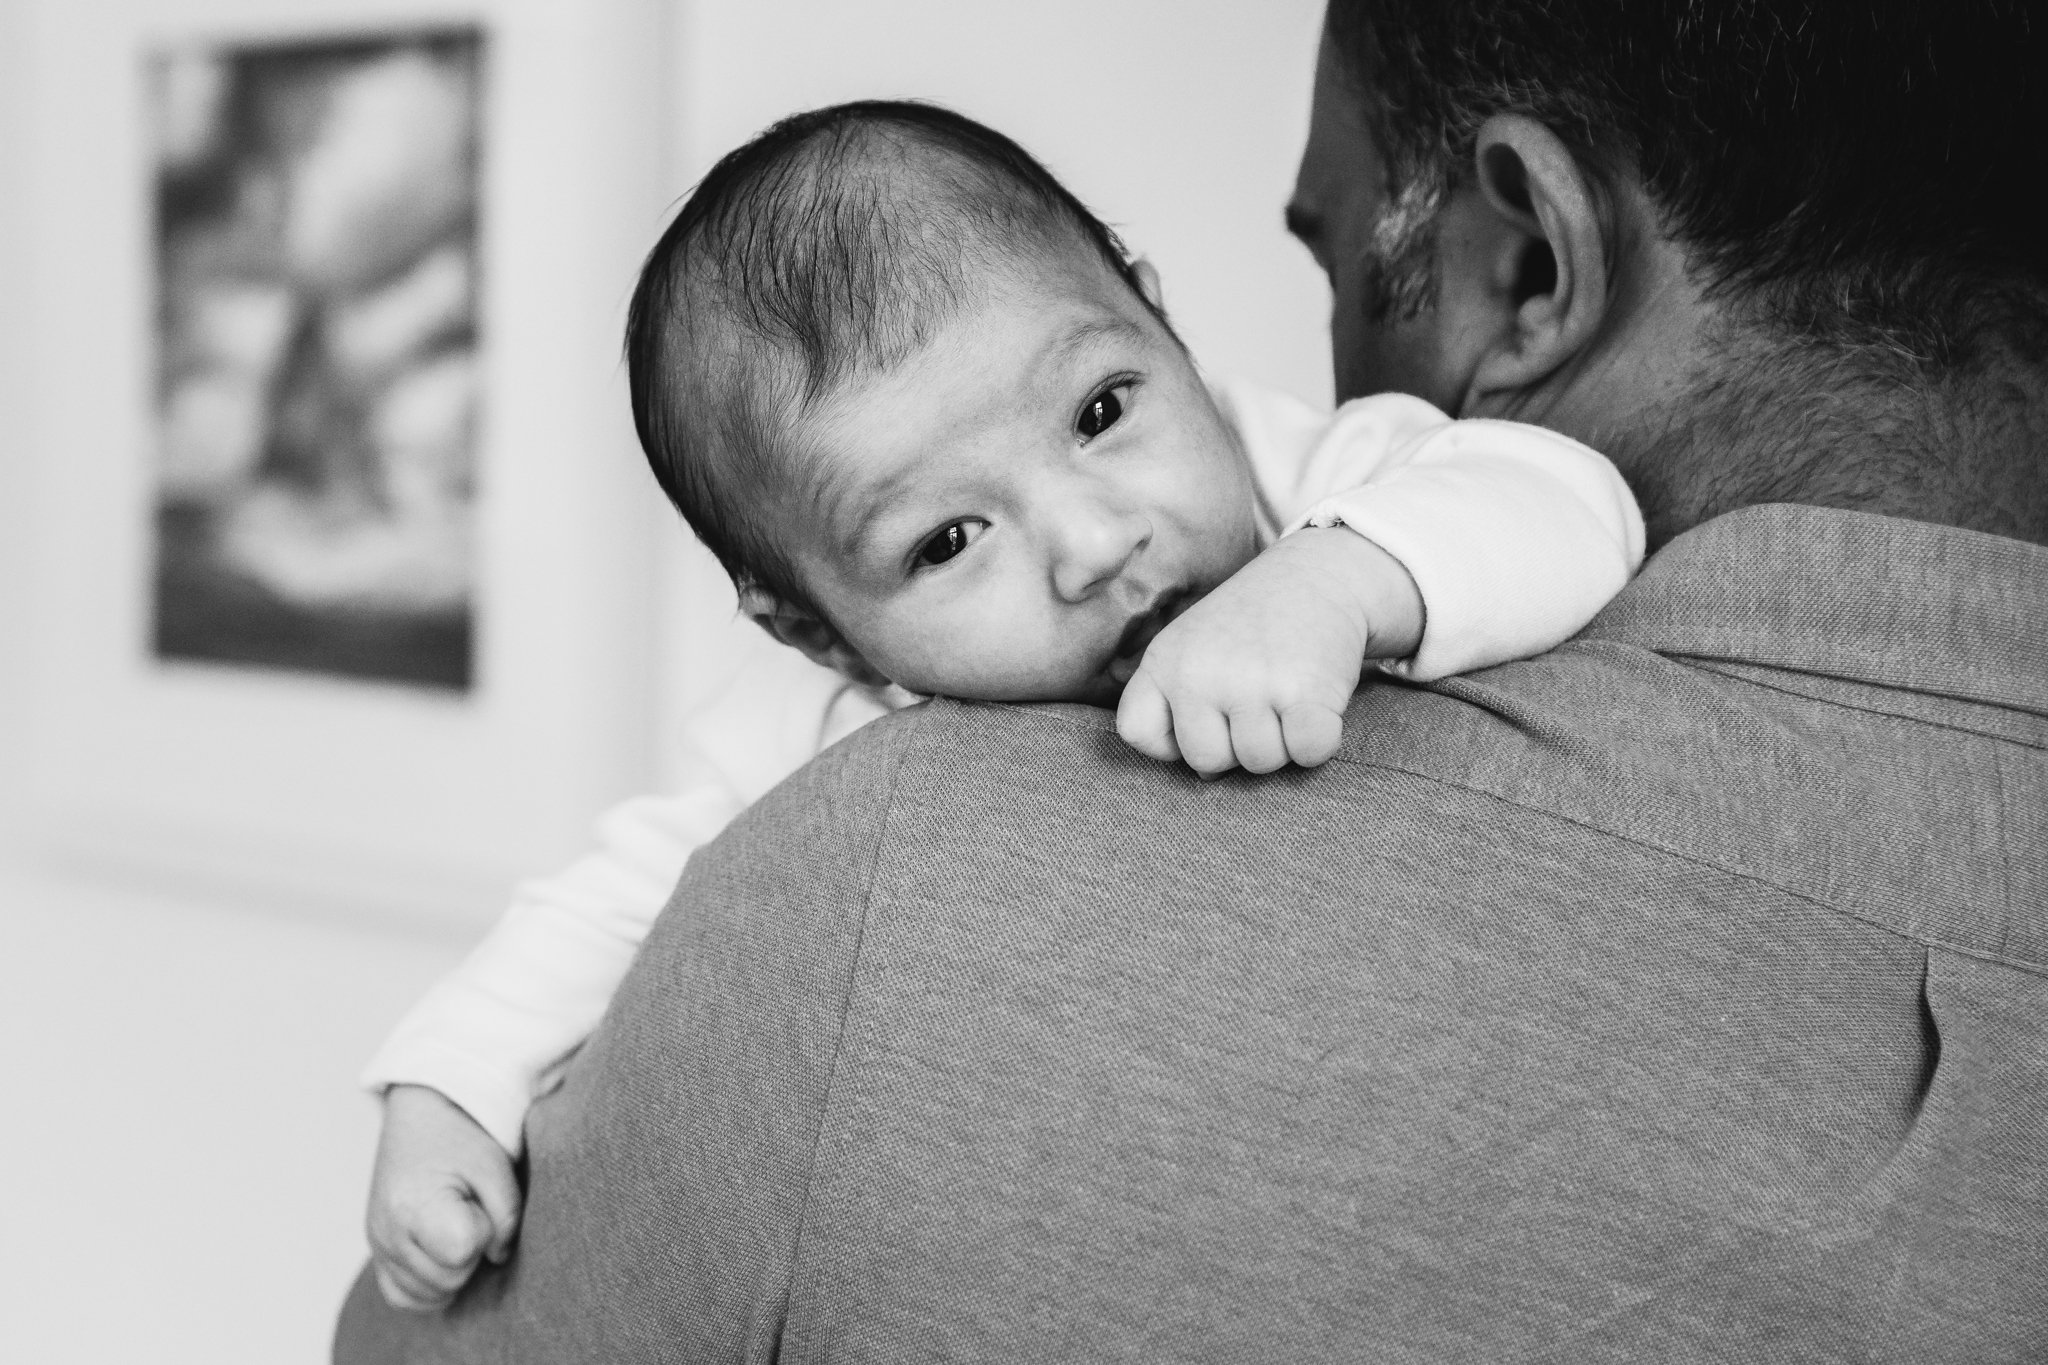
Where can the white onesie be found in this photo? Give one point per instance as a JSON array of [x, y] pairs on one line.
[[1515, 535]]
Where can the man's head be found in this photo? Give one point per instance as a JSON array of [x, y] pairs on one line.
[[929, 416], [1755, 250]]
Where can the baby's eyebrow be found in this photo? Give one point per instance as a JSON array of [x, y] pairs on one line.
[[1089, 331], [850, 512]]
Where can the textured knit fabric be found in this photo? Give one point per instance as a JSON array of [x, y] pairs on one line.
[[1679, 995]]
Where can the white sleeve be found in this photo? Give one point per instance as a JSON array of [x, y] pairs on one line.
[[1516, 535], [494, 1034]]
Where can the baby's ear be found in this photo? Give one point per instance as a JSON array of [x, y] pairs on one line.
[[1146, 275], [809, 634]]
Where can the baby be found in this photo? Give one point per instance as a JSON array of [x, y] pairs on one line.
[[936, 425]]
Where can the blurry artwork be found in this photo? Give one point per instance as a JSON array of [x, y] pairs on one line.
[[317, 383]]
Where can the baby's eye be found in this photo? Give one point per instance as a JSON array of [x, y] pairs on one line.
[[949, 541], [1101, 412]]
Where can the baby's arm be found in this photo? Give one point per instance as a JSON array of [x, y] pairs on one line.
[[1433, 546], [492, 1033], [461, 1070]]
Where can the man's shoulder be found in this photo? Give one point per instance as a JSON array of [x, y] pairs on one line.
[[1599, 745], [1513, 730], [820, 824], [1055, 784]]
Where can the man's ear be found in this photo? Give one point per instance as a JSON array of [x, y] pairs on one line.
[[808, 633], [1544, 254]]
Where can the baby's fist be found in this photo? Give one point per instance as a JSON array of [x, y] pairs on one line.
[[443, 1198], [1258, 673]]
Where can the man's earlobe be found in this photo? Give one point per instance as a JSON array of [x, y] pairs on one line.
[[808, 633], [1547, 267]]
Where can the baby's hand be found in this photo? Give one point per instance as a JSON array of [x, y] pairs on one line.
[[1259, 672], [442, 1198]]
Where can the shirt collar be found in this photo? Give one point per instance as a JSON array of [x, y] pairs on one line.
[[1877, 600]]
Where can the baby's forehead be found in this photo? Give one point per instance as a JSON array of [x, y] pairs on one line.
[[1024, 331]]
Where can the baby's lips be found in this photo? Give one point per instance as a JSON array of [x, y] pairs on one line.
[[1123, 669]]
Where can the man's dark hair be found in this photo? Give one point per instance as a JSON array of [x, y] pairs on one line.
[[833, 245], [1858, 174]]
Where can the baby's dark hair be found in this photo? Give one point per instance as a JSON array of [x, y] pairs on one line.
[[833, 245]]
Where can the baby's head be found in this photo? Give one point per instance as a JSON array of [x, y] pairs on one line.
[[927, 414]]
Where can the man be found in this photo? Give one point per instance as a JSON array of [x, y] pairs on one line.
[[1682, 994]]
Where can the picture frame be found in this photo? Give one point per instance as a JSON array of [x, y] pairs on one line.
[[421, 791]]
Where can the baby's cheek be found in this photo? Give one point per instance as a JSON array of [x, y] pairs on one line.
[[906, 650], [968, 655]]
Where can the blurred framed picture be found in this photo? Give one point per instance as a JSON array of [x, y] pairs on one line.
[[343, 588], [318, 352]]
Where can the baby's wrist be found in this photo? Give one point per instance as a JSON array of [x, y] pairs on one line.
[[1371, 583], [413, 1105]]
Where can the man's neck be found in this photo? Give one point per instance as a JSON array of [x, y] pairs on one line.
[[1870, 432], [1704, 414]]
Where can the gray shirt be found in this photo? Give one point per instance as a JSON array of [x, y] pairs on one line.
[[1676, 995]]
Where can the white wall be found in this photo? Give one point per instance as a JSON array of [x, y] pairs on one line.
[[185, 1157], [184, 1152], [13, 351]]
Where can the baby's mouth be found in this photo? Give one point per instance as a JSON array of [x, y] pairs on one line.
[[1139, 634]]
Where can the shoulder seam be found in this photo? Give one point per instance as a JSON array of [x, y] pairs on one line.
[[1707, 665], [1740, 874], [1998, 757], [1925, 941]]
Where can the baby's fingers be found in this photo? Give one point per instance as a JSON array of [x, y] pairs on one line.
[[451, 1233], [405, 1287], [1313, 733], [1204, 738], [1256, 738], [497, 1195], [406, 1292], [1144, 720]]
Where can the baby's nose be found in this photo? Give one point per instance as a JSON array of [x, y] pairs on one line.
[[1092, 545]]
